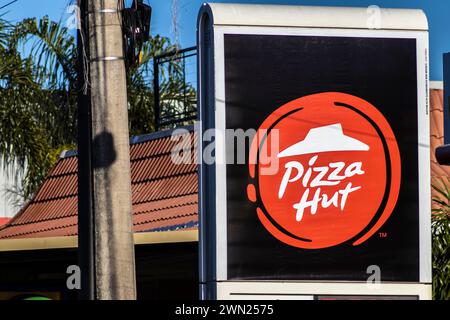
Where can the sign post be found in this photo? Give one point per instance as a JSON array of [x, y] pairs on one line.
[[319, 183]]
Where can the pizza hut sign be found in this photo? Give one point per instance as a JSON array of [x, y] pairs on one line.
[[339, 171]]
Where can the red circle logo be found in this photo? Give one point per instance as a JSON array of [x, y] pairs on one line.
[[325, 170]]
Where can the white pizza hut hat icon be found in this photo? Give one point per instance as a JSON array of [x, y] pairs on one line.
[[324, 139]]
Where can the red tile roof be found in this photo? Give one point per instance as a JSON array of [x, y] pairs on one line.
[[164, 194], [438, 172], [4, 221]]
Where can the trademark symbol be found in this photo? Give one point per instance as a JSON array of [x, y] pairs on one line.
[[383, 234]]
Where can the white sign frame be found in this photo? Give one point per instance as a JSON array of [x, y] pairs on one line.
[[225, 288]]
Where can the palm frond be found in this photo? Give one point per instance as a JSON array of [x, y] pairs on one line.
[[441, 242]]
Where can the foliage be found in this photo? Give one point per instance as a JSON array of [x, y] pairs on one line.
[[173, 88], [441, 242], [19, 127], [38, 96]]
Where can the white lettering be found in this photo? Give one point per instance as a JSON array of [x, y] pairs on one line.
[[317, 177], [287, 176]]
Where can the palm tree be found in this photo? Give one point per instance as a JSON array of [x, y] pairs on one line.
[[23, 143], [38, 96], [441, 241]]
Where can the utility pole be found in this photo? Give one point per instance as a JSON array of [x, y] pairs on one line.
[[110, 153]]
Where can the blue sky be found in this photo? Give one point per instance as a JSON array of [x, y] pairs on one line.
[[437, 11]]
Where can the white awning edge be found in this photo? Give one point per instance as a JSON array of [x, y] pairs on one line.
[[71, 242]]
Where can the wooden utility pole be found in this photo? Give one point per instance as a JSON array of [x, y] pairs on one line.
[[110, 153]]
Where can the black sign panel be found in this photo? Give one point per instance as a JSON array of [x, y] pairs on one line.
[[265, 72]]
